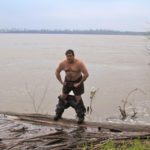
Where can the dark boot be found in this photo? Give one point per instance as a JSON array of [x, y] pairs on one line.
[[57, 117], [80, 120]]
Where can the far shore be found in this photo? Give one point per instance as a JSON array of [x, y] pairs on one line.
[[87, 32]]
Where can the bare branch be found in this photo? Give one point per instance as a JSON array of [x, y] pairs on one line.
[[43, 97], [134, 113], [32, 97], [125, 102]]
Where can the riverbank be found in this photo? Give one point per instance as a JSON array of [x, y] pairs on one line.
[[37, 131]]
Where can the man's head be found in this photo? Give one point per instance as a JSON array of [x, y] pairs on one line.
[[70, 55]]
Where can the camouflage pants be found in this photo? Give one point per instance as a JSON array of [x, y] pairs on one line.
[[70, 101]]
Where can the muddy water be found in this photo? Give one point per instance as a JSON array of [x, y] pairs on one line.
[[117, 65]]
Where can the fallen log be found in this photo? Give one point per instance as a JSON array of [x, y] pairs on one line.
[[64, 122]]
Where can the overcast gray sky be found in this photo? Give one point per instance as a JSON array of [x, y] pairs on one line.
[[125, 15]]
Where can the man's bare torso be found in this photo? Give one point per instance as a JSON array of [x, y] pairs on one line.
[[72, 70]]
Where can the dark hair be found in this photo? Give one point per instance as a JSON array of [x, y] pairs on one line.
[[69, 51]]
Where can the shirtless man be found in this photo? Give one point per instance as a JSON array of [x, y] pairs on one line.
[[75, 75]]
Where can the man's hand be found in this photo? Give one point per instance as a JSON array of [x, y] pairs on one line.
[[77, 85]]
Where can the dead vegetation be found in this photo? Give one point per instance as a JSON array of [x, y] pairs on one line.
[[123, 110], [92, 96], [37, 131], [32, 96]]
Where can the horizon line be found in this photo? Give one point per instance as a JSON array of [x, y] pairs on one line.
[[69, 30]]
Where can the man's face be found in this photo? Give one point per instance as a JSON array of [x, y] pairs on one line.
[[70, 58]]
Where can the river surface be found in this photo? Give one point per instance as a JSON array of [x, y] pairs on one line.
[[119, 68]]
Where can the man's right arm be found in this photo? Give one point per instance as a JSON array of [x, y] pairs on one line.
[[57, 73]]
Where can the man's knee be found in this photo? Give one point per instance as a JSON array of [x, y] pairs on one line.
[[80, 108]]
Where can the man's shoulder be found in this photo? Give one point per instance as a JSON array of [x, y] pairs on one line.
[[63, 61], [79, 61]]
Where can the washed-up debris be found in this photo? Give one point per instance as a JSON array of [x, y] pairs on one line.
[[40, 132]]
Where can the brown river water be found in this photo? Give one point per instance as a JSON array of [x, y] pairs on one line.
[[117, 66]]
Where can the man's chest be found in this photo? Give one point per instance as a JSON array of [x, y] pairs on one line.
[[71, 68]]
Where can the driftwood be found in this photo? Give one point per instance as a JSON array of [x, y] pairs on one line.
[[48, 120], [37, 131]]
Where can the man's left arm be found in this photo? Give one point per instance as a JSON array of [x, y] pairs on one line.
[[85, 72]]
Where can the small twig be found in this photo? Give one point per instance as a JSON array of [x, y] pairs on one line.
[[32, 97], [134, 113], [43, 97]]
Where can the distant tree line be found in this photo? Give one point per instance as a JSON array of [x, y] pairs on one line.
[[91, 31]]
